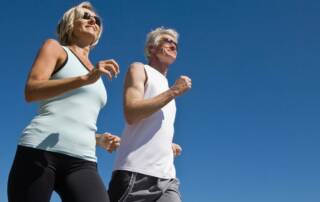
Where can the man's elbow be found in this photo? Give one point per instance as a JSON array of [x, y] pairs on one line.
[[131, 117]]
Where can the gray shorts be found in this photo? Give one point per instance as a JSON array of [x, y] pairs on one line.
[[126, 186]]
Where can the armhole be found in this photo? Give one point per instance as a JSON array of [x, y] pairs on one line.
[[146, 74], [62, 65]]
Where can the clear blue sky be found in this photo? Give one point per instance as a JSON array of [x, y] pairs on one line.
[[250, 126]]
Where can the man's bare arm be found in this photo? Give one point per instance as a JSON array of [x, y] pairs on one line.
[[135, 106]]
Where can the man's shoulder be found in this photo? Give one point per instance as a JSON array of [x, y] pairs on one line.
[[136, 67]]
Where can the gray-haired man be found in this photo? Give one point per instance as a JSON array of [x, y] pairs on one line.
[[144, 168]]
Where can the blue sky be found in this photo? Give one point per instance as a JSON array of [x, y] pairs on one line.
[[249, 127]]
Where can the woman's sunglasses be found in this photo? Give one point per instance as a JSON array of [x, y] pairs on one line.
[[88, 16]]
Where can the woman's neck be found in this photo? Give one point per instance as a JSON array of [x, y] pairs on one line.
[[83, 51]]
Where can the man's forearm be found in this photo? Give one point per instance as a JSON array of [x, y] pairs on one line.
[[139, 109]]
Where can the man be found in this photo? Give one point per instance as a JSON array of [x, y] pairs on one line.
[[144, 169]]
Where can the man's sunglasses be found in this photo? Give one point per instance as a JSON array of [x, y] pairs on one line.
[[170, 41], [88, 16]]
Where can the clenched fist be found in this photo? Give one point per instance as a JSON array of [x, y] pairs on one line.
[[176, 149], [181, 85]]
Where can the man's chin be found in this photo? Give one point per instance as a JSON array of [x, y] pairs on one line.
[[169, 62]]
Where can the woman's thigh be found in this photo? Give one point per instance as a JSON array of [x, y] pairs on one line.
[[31, 177], [82, 185]]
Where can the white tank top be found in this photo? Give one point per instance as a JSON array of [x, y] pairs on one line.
[[146, 145], [67, 123]]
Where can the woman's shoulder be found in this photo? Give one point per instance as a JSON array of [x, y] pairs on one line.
[[52, 49], [51, 43], [52, 46]]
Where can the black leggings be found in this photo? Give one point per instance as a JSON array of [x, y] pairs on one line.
[[35, 174]]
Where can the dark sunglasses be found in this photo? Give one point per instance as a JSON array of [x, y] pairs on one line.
[[170, 41], [88, 16]]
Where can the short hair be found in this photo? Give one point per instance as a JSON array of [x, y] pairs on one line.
[[154, 37], [66, 24]]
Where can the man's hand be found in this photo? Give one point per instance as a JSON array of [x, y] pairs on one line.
[[181, 85], [176, 149], [108, 141]]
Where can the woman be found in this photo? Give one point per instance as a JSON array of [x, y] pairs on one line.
[[57, 149]]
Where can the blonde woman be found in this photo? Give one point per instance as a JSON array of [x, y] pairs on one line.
[[56, 151]]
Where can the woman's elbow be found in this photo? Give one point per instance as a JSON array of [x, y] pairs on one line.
[[28, 98], [28, 95]]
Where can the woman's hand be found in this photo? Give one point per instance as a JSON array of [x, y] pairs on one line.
[[107, 67], [108, 141]]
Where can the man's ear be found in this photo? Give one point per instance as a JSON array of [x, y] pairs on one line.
[[152, 48]]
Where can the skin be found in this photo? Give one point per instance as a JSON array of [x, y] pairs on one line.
[[51, 56], [176, 149], [108, 141], [136, 107]]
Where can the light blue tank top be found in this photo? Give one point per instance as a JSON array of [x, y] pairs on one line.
[[67, 123]]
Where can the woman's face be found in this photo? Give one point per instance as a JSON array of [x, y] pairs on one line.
[[87, 27]]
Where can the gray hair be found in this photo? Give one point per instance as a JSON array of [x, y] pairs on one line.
[[154, 37], [66, 24]]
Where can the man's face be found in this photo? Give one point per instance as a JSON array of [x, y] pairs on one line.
[[167, 49]]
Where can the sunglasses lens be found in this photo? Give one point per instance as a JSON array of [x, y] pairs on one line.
[[170, 41], [98, 21], [87, 16]]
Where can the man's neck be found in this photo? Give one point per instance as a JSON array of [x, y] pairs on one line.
[[161, 67]]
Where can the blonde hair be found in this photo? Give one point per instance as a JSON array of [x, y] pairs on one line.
[[66, 24], [154, 37]]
